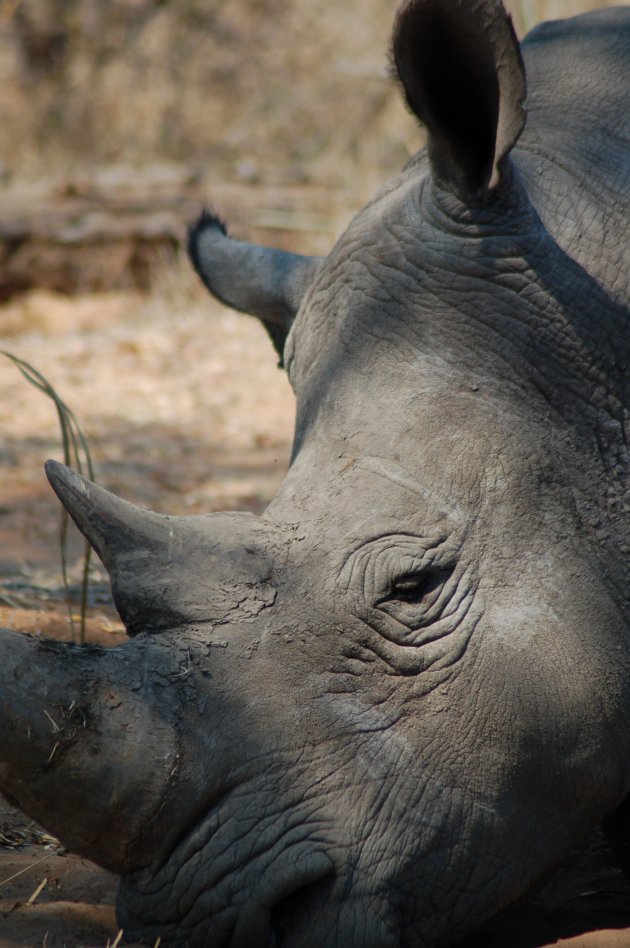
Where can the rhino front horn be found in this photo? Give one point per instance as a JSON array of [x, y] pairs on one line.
[[87, 744], [110, 524]]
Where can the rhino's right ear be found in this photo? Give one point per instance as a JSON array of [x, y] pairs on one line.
[[261, 281], [462, 73]]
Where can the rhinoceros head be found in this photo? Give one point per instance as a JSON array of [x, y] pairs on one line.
[[382, 710]]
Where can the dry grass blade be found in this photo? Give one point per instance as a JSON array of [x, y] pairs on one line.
[[25, 869], [76, 454], [38, 891]]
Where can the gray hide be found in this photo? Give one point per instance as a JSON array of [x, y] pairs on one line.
[[386, 708]]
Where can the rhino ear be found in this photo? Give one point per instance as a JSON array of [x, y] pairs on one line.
[[261, 281], [462, 73]]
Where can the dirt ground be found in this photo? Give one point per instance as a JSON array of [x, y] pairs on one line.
[[186, 413]]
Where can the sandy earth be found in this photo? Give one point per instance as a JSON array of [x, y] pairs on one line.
[[186, 413]]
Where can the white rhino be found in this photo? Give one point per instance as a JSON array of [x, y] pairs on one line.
[[382, 710]]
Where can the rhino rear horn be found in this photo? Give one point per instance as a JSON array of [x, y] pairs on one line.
[[461, 70], [260, 281]]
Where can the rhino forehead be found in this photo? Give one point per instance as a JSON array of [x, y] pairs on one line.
[[398, 276], [421, 289], [429, 438]]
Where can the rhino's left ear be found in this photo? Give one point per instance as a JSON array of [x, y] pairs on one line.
[[261, 281], [462, 73]]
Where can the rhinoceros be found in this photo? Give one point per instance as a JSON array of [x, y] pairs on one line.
[[384, 709]]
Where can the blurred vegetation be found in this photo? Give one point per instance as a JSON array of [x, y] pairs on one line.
[[272, 90], [77, 455]]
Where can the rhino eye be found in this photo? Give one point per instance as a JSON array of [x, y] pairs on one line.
[[414, 587]]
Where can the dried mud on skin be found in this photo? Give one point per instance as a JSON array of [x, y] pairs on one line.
[[186, 413]]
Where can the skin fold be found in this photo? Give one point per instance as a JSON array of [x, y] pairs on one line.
[[383, 710]]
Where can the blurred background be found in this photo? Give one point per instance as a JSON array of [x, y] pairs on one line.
[[251, 90]]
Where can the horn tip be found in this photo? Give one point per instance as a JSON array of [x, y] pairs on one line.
[[53, 468], [62, 478]]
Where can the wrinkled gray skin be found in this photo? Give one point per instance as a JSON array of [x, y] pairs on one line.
[[381, 711]]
